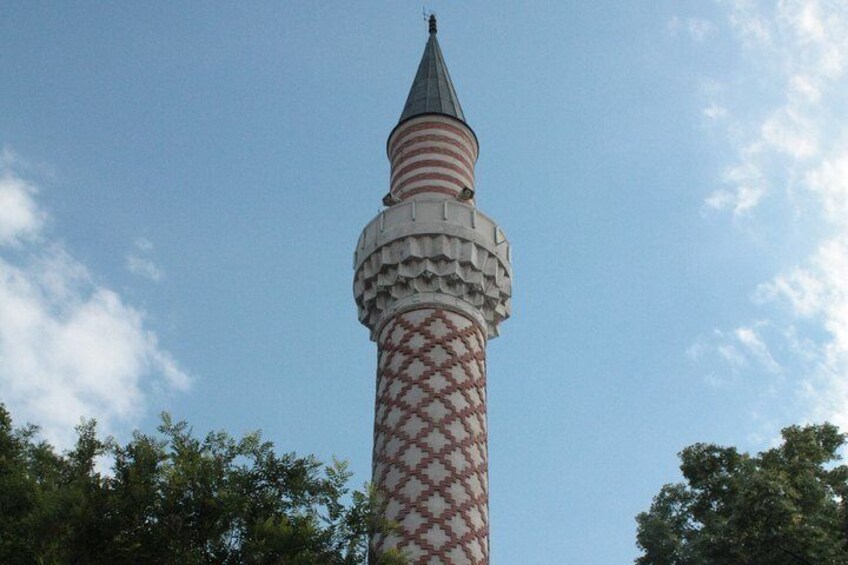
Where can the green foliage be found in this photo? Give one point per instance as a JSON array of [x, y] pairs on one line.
[[785, 506], [175, 498]]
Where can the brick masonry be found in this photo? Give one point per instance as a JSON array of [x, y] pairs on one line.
[[430, 460], [432, 155]]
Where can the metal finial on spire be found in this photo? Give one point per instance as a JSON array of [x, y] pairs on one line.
[[432, 22]]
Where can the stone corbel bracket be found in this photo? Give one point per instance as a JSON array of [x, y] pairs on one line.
[[432, 253]]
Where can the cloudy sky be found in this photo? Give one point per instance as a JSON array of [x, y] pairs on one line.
[[182, 186]]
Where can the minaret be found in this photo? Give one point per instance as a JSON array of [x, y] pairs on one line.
[[433, 281]]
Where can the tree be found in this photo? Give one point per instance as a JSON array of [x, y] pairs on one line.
[[785, 506], [175, 498]]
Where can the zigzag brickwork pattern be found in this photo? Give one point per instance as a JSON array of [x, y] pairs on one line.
[[430, 441]]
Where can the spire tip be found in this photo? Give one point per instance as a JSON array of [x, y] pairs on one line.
[[432, 23]]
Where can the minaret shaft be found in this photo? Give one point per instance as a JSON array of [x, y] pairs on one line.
[[430, 454]]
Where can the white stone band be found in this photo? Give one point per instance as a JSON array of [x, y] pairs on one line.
[[439, 253]]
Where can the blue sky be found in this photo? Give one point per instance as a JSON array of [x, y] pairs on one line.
[[182, 186]]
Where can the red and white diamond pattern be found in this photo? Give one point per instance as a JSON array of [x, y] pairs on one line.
[[430, 455]]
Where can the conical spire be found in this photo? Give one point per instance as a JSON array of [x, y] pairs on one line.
[[432, 91]]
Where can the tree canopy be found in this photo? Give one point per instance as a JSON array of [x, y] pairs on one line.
[[175, 498], [784, 506]]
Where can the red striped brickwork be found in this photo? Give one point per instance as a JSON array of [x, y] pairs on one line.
[[430, 453], [433, 155]]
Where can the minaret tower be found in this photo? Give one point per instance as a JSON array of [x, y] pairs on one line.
[[433, 281]]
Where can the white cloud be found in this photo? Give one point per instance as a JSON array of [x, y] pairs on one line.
[[69, 346], [138, 261], [752, 28], [830, 183], [143, 244], [796, 146], [673, 25], [806, 87], [756, 347], [144, 268], [732, 355], [699, 28], [789, 131], [802, 288], [741, 351], [818, 292], [20, 218], [749, 187], [715, 111]]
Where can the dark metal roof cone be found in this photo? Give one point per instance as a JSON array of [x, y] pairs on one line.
[[432, 91]]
